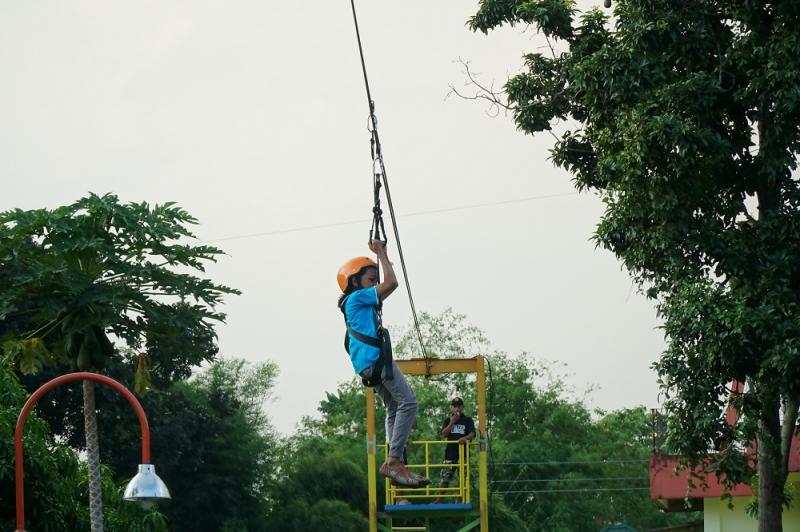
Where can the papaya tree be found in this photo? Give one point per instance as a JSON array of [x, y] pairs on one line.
[[76, 276], [684, 117]]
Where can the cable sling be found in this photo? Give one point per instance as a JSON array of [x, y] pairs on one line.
[[380, 179]]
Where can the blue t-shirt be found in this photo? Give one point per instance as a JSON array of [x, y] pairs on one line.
[[361, 309]]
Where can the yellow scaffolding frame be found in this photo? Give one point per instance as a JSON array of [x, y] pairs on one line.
[[459, 492], [430, 367]]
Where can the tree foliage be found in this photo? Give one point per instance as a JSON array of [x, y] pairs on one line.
[[75, 274], [55, 480], [685, 118], [227, 470], [212, 443], [539, 432]]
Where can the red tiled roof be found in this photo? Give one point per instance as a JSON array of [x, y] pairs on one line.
[[669, 489]]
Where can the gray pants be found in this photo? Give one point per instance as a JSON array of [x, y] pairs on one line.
[[401, 410]]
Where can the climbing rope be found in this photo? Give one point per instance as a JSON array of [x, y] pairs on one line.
[[379, 179]]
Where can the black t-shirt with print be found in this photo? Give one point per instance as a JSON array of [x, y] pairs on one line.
[[461, 428]]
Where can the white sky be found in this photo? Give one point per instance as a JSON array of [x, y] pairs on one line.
[[252, 116]]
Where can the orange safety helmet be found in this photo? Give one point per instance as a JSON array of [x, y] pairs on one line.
[[352, 267]]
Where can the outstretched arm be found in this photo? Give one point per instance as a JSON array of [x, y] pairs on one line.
[[389, 283]]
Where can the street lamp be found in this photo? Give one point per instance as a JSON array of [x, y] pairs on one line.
[[145, 487]]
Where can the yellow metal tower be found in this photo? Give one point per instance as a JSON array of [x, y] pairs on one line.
[[465, 508]]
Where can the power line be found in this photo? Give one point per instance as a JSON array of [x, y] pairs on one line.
[[573, 462], [518, 493], [587, 490], [601, 479], [409, 215]]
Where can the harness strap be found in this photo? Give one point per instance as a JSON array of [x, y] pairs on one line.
[[363, 338], [383, 343]]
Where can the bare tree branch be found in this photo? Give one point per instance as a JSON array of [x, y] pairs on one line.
[[550, 45], [496, 99]]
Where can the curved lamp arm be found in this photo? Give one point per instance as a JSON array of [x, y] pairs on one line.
[[34, 398]]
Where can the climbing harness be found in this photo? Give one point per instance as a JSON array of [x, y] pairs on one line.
[[382, 368], [377, 230]]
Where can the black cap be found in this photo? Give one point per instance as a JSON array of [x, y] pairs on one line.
[[457, 401]]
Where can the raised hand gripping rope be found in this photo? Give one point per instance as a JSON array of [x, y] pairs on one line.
[[377, 231]]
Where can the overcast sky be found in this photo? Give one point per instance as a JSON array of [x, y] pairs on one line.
[[252, 116]]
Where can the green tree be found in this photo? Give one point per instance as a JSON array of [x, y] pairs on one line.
[[558, 465], [231, 452], [320, 489], [539, 433], [76, 273], [212, 442], [685, 118]]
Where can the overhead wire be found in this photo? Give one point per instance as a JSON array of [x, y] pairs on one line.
[[557, 462], [505, 486], [587, 490], [456, 208], [542, 480]]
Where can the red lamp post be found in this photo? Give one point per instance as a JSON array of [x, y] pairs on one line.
[[34, 398]]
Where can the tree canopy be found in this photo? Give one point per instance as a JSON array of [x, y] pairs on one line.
[[215, 447], [556, 464], [685, 118], [74, 274]]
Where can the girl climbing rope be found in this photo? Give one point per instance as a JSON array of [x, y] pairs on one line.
[[366, 341], [369, 347]]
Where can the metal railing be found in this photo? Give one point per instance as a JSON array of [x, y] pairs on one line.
[[451, 494]]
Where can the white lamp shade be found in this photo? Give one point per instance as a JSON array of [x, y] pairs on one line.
[[146, 487]]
